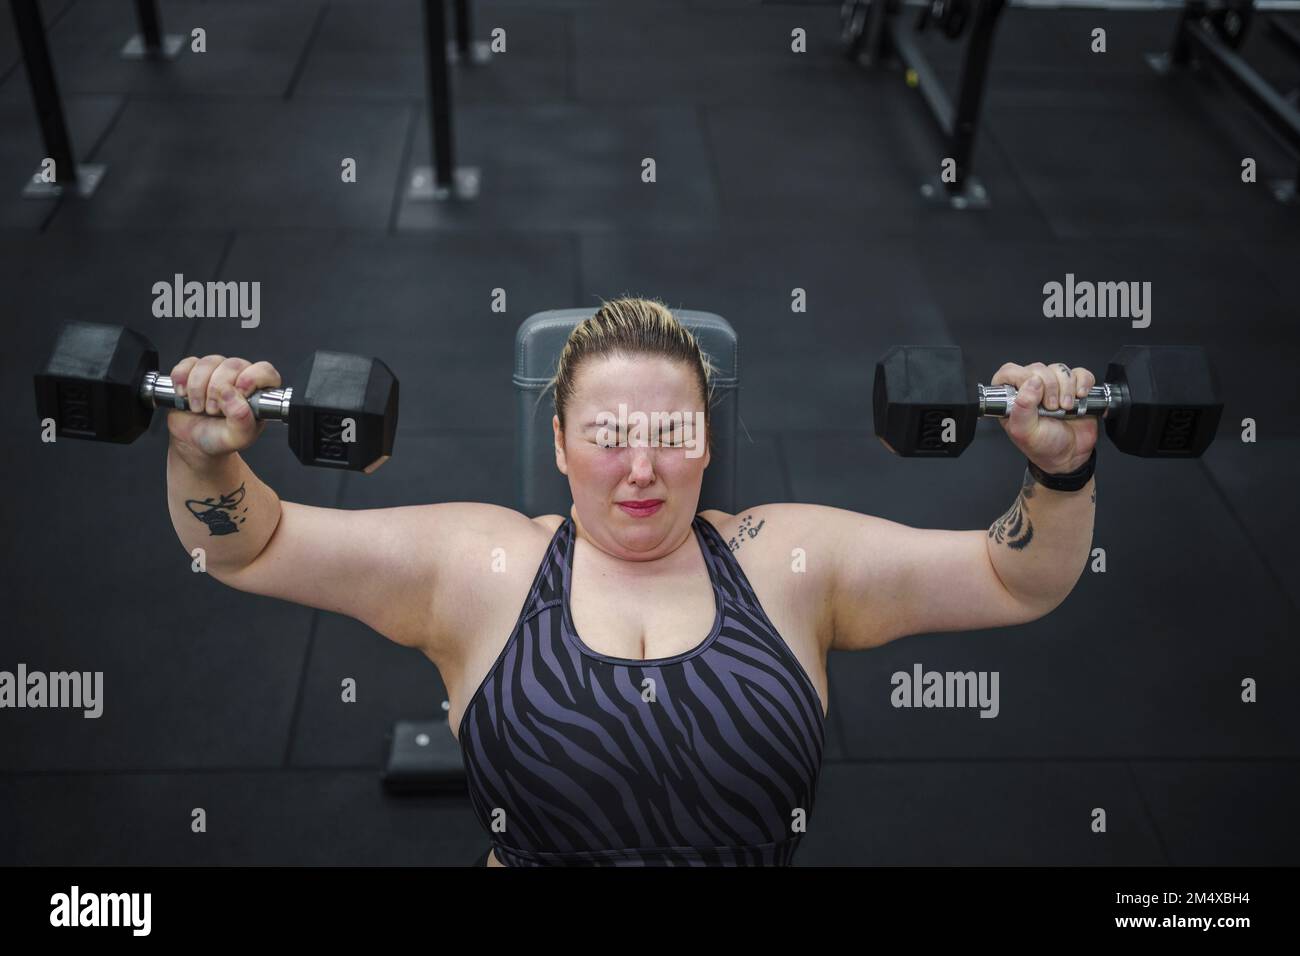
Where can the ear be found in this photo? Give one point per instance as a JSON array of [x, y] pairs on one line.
[[559, 445]]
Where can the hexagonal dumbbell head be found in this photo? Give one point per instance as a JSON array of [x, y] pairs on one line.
[[1171, 406], [91, 384], [344, 414], [917, 388]]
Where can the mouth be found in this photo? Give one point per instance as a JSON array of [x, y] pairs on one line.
[[641, 509]]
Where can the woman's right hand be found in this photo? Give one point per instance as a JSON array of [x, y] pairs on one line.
[[220, 420]]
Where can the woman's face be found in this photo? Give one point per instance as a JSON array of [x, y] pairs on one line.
[[634, 467]]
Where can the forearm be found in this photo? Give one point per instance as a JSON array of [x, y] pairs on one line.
[[219, 505], [1040, 546]]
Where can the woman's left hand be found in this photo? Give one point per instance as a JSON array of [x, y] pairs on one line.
[[1056, 445]]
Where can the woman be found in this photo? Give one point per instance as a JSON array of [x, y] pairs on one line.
[[635, 683]]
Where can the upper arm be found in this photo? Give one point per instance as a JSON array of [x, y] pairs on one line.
[[889, 580], [386, 567]]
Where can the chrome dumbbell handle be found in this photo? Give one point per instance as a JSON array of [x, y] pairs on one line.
[[996, 401], [268, 404]]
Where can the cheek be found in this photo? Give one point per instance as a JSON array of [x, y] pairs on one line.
[[679, 469], [596, 465]]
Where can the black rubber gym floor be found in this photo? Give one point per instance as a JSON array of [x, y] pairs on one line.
[[775, 172]]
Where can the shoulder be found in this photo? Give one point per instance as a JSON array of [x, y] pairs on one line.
[[549, 524], [781, 522], [770, 539], [786, 552], [465, 524], [488, 557], [473, 538]]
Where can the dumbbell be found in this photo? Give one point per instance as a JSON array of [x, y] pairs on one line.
[[1156, 401], [101, 384]]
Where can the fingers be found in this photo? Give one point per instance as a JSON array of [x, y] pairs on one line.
[[217, 385], [1083, 382], [1009, 374], [246, 380], [1021, 375], [1051, 384], [181, 373], [1061, 385], [1064, 376], [196, 385], [221, 386], [257, 376]]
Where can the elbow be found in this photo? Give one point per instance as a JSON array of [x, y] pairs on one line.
[[1040, 607], [1037, 610], [1051, 594], [249, 576], [234, 578]]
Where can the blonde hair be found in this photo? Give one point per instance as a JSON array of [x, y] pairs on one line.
[[631, 326]]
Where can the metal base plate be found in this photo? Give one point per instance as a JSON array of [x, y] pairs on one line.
[[973, 195], [88, 177], [423, 187], [136, 50], [480, 52]]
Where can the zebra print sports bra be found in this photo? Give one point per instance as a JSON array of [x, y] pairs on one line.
[[710, 757]]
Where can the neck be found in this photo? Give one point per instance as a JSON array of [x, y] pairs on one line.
[[650, 560]]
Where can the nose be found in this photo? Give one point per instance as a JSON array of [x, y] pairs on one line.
[[641, 470]]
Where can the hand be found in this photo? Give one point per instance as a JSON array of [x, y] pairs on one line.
[[1055, 445], [220, 420]]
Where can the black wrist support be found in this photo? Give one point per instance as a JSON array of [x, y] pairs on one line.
[[1071, 481]]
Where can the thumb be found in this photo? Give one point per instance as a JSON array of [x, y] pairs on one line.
[[236, 410], [1023, 420]]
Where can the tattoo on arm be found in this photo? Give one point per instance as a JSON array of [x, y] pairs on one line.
[[222, 515], [746, 531], [1014, 529]]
